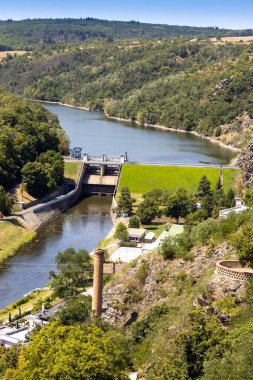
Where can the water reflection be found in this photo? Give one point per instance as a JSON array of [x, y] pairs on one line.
[[100, 135], [80, 227]]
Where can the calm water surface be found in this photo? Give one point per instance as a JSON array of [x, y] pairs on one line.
[[88, 222], [98, 135], [82, 226]]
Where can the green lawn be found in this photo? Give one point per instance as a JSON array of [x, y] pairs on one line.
[[233, 180], [143, 178], [71, 170]]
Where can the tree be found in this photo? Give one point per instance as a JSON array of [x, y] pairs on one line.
[[204, 187], [6, 201], [243, 242], [72, 352], [75, 310], [207, 204], [54, 166], [35, 177], [8, 358], [230, 199], [157, 196], [74, 268], [147, 211], [125, 202], [218, 184], [121, 232], [134, 222], [195, 218], [180, 205]]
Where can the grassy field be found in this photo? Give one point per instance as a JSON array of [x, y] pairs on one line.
[[143, 178], [232, 179], [12, 238], [71, 170]]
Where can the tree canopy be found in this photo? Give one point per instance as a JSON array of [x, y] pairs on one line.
[[27, 130], [72, 352], [74, 268]]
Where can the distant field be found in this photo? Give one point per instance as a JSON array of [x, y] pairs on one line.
[[3, 54], [143, 178], [233, 39]]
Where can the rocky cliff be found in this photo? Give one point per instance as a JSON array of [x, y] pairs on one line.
[[245, 161], [150, 281]]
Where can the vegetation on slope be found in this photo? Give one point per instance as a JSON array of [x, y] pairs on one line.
[[12, 238], [38, 32], [178, 83], [182, 319], [27, 131]]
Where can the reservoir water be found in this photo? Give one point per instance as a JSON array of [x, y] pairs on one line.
[[88, 222], [98, 134]]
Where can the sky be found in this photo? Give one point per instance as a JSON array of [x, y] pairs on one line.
[[233, 14]]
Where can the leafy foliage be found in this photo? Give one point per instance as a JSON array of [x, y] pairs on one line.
[[125, 202], [179, 205], [72, 352], [74, 268], [26, 131], [147, 211], [134, 222], [178, 83], [121, 232], [43, 175], [6, 201], [75, 310]]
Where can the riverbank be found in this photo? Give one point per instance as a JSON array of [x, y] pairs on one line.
[[146, 125], [164, 128], [13, 237]]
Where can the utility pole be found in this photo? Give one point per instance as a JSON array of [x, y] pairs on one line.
[[98, 283]]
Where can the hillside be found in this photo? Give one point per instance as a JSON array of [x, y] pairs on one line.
[[26, 131], [33, 34], [178, 83], [184, 319]]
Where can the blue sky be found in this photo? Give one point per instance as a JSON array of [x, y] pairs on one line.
[[221, 13]]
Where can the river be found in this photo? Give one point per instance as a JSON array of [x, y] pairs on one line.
[[85, 224]]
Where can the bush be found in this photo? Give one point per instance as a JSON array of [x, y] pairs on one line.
[[169, 248], [121, 232], [142, 272], [134, 222]]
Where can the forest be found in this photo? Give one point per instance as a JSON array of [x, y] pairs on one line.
[[37, 33], [180, 83], [28, 133]]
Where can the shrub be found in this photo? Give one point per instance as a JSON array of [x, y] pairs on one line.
[[142, 272], [169, 248]]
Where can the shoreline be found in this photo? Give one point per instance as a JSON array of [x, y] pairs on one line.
[[146, 125], [164, 128]]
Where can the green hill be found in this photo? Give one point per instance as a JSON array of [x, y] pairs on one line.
[[178, 83], [31, 34]]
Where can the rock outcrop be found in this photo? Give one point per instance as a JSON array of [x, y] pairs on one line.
[[245, 161], [151, 281]]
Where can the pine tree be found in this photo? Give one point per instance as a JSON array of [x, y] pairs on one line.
[[204, 187], [125, 203]]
